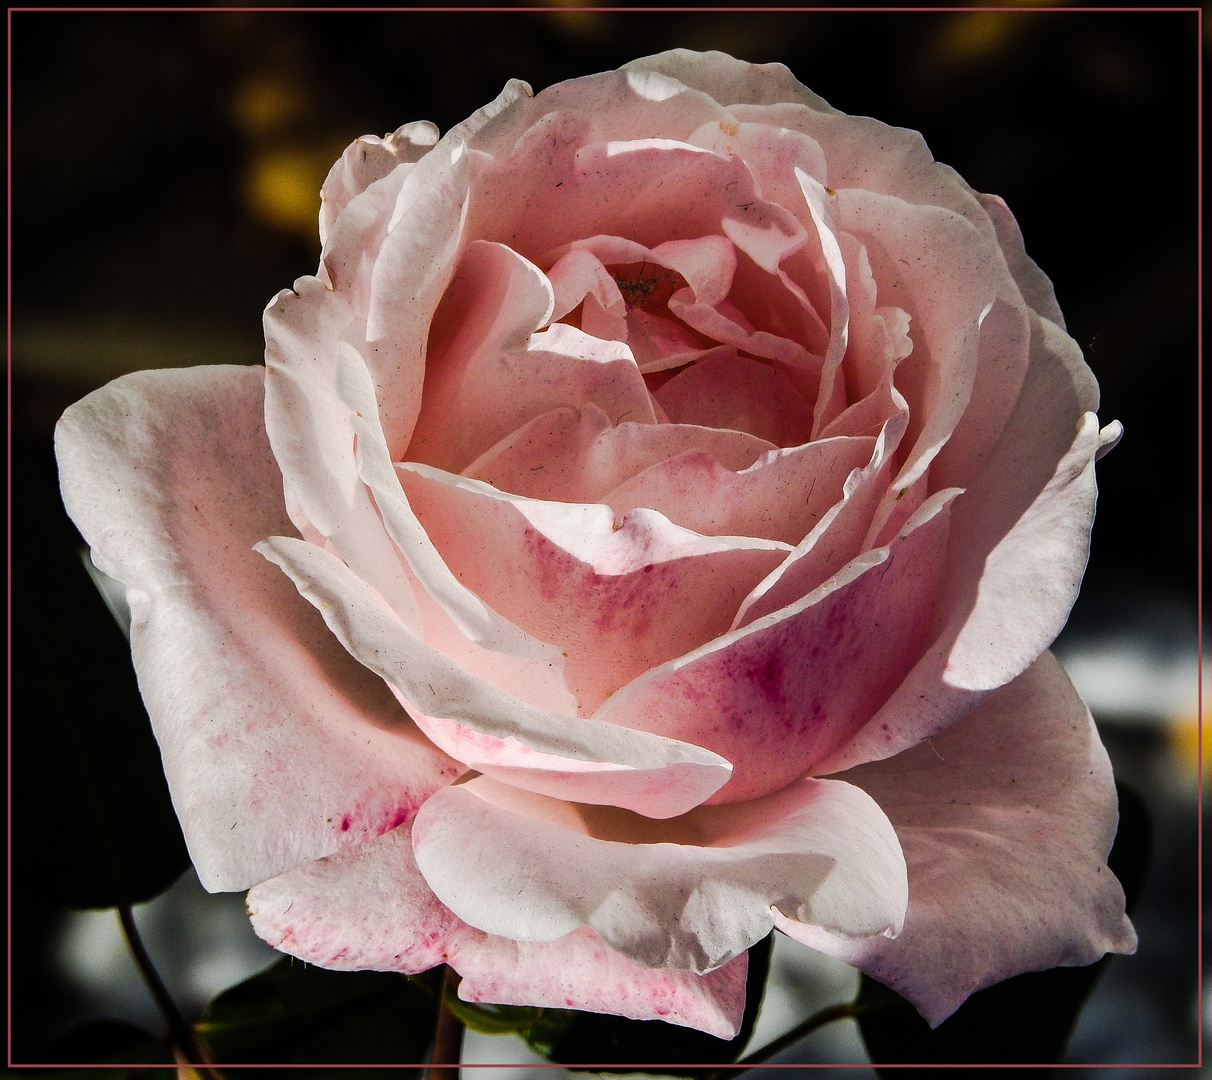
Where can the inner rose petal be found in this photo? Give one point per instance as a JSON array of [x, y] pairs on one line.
[[730, 391], [617, 598], [576, 455]]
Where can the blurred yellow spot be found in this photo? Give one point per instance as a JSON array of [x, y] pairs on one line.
[[265, 105], [1183, 736], [730, 129], [283, 187]]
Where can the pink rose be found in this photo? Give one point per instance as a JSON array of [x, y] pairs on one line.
[[660, 445]]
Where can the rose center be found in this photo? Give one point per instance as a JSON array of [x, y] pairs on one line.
[[645, 285]]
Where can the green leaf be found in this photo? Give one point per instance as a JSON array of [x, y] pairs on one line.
[[616, 1044], [494, 1019], [1026, 1020], [92, 824], [296, 1014]]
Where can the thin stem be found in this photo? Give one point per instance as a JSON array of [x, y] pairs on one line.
[[185, 1039], [802, 1029], [448, 1034]]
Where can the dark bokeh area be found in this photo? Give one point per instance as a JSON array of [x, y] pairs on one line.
[[165, 170]]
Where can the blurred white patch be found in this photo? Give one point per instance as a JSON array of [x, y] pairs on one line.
[[201, 944], [1128, 679]]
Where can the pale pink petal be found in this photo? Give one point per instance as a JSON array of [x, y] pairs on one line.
[[369, 159], [948, 285], [477, 621], [779, 694], [617, 596], [779, 497], [571, 455], [1036, 288], [835, 538], [904, 166], [412, 271], [482, 389], [1006, 819], [578, 274], [1032, 504], [707, 263], [728, 80], [724, 390], [309, 425], [579, 971], [369, 908], [436, 687], [691, 893], [279, 748]]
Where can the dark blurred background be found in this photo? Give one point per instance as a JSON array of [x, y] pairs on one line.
[[165, 170]]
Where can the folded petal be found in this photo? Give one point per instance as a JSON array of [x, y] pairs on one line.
[[439, 689], [618, 596], [779, 497], [370, 908], [576, 455], [369, 159], [691, 893], [1033, 504], [780, 693], [579, 971], [1006, 819], [171, 480]]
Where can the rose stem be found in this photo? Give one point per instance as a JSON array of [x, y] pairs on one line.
[[447, 1035], [184, 1037], [806, 1027]]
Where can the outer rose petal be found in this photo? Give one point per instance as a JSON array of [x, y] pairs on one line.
[[1014, 807], [278, 747], [370, 908], [690, 893]]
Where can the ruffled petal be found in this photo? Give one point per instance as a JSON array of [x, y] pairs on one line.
[[370, 908], [780, 693], [436, 688], [779, 497], [1033, 505], [576, 455], [618, 596], [171, 480], [1015, 804], [690, 894]]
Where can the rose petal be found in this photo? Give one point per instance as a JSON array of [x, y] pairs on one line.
[[370, 908], [689, 894], [779, 497], [1032, 503], [579, 971], [369, 159], [171, 480], [947, 286], [485, 386], [475, 619], [728, 80], [571, 455], [792, 686], [438, 688], [724, 390], [618, 597], [1016, 802], [836, 537]]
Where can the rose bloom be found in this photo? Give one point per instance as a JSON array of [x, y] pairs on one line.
[[647, 531]]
